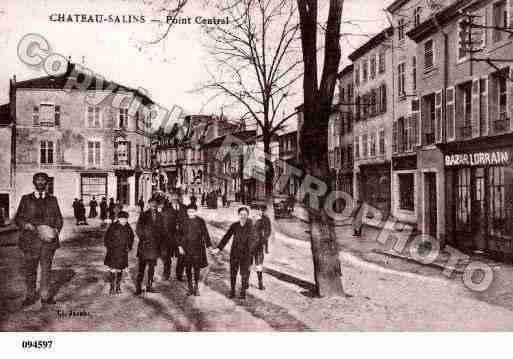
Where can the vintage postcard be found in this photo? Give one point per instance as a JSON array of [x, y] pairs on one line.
[[255, 166]]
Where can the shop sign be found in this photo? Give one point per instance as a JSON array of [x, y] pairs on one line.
[[493, 158]]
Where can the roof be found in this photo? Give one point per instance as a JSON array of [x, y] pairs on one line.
[[5, 116], [242, 135], [348, 70], [372, 43], [96, 83], [396, 5], [441, 18]]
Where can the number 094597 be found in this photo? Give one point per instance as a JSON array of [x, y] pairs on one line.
[[37, 344]]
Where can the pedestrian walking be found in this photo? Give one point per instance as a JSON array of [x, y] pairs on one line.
[[241, 251], [112, 206], [151, 233], [75, 211], [81, 212], [93, 204], [193, 247], [103, 209], [262, 233], [40, 220], [174, 217], [119, 240]]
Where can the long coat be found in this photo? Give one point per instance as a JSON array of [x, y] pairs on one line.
[[262, 231], [28, 210], [119, 240], [92, 208], [195, 240], [103, 210], [151, 233], [173, 224], [244, 241]]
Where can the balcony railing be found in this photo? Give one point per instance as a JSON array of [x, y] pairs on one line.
[[501, 125]]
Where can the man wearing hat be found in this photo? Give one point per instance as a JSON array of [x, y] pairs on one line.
[[40, 221], [151, 232], [175, 215]]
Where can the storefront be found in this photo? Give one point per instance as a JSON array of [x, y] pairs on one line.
[[374, 185], [404, 188], [93, 185], [479, 187]]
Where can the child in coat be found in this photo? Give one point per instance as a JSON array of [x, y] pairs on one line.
[[119, 240]]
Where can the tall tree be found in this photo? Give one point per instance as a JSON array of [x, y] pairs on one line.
[[313, 138], [257, 62]]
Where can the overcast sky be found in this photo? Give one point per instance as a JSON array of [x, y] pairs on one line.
[[168, 70]]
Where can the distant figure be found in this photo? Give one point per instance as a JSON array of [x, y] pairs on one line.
[[75, 210], [119, 240], [224, 200], [203, 199], [103, 209], [193, 201], [112, 205], [141, 204], [92, 208], [81, 212]]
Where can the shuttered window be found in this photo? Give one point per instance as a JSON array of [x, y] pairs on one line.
[[450, 115]]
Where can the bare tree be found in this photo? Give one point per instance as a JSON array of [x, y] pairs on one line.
[[318, 97], [257, 62]]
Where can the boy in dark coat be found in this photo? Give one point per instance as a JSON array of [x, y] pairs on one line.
[[151, 232], [119, 240], [193, 246], [262, 232], [75, 210], [242, 250]]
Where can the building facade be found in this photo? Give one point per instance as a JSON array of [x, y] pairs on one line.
[[373, 120], [471, 116], [88, 148], [340, 134], [7, 149]]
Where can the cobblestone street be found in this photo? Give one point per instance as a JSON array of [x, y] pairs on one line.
[[380, 295]]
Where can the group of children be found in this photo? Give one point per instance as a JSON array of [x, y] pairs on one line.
[[250, 241]]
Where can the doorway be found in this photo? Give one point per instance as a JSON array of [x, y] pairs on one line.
[[431, 208]]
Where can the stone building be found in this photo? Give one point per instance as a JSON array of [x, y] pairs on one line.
[[340, 133], [466, 101], [372, 130], [88, 147], [180, 156], [7, 207]]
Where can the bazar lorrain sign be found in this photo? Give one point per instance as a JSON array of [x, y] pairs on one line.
[[478, 159]]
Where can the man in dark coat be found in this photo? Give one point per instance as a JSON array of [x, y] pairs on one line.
[[75, 211], [243, 246], [92, 208], [81, 212], [103, 209], [262, 232], [119, 240], [193, 246], [40, 221], [193, 200], [174, 216], [111, 208], [151, 232], [141, 204]]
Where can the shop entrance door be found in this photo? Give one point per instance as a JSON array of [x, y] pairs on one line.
[[431, 210], [478, 217]]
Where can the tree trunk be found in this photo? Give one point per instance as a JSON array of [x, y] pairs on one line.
[[325, 251]]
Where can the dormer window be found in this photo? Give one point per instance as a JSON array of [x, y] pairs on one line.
[[123, 118]]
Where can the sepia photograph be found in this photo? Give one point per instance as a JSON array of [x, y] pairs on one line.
[[255, 166]]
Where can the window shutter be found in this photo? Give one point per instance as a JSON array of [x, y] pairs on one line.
[[510, 13], [57, 115], [129, 150], [414, 122], [394, 137], [58, 151], [510, 93], [383, 98], [110, 116], [35, 115], [115, 152], [400, 135], [450, 114], [438, 117], [483, 106], [475, 108]]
